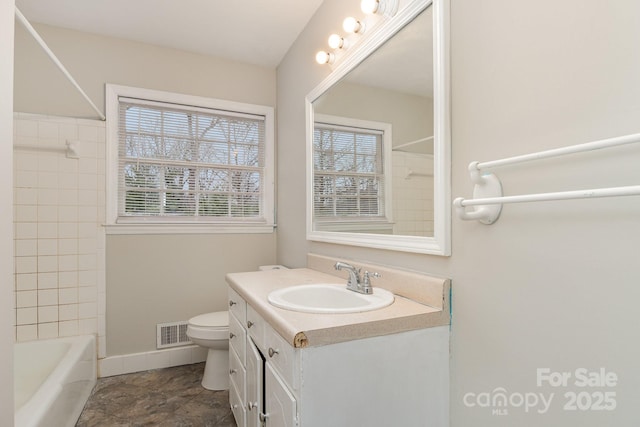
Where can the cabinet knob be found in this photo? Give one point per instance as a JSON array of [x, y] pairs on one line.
[[273, 352], [232, 371], [263, 417], [232, 303], [231, 335], [249, 323], [252, 405]]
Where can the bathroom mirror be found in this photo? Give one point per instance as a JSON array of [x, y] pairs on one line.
[[378, 139]]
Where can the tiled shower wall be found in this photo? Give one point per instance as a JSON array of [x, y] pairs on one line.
[[59, 209], [412, 193]]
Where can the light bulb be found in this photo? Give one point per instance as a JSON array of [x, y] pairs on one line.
[[336, 42], [352, 25], [323, 57], [369, 6], [386, 8]]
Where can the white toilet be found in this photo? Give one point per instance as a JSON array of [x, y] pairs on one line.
[[211, 330]]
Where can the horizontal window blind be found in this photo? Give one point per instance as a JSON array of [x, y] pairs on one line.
[[184, 164], [348, 180]]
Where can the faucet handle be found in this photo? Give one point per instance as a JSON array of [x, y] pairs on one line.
[[366, 280]]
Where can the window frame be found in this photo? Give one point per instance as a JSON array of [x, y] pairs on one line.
[[163, 225], [362, 223]]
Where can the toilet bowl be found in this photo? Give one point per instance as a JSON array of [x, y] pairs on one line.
[[211, 331]]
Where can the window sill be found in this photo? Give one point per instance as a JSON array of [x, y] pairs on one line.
[[115, 229], [355, 226]]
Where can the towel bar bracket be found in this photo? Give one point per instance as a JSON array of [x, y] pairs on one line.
[[486, 186]]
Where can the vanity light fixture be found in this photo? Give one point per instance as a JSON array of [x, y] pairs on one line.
[[352, 25], [382, 7], [336, 42], [323, 57]]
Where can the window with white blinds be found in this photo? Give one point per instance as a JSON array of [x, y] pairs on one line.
[[181, 163], [349, 181]]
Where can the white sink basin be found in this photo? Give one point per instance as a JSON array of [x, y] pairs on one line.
[[328, 298]]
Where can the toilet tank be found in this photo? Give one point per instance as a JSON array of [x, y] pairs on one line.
[[272, 267]]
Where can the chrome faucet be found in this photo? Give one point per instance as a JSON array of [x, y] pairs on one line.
[[355, 283]]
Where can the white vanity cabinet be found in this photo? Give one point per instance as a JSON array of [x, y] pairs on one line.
[[395, 379], [270, 369], [237, 356], [257, 342]]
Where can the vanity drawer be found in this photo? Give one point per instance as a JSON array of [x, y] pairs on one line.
[[280, 354], [255, 328], [237, 406], [237, 375], [237, 338], [237, 306]]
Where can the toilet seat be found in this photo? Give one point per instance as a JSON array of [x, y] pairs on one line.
[[215, 320], [209, 327]]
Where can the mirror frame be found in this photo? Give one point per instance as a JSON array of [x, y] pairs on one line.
[[440, 243]]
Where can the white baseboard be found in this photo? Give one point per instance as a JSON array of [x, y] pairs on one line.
[[137, 362]]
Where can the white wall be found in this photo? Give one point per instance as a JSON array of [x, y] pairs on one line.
[[95, 60], [550, 285], [7, 314], [150, 278], [168, 278]]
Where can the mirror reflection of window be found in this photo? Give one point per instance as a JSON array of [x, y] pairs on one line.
[[350, 185], [348, 172]]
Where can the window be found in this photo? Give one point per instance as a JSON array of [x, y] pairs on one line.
[[188, 161], [351, 190]]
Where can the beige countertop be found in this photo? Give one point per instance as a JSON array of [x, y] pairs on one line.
[[311, 329]]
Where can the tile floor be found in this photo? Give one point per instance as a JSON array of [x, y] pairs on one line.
[[171, 397]]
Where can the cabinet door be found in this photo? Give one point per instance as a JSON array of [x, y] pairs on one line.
[[254, 384], [237, 407], [280, 404]]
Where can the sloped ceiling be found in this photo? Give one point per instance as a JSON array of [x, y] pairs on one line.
[[253, 31]]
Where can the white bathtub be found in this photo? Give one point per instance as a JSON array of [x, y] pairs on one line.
[[53, 379]]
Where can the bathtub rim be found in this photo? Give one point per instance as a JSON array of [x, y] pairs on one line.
[[42, 400]]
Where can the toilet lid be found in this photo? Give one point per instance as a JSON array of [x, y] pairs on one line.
[[218, 318]]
